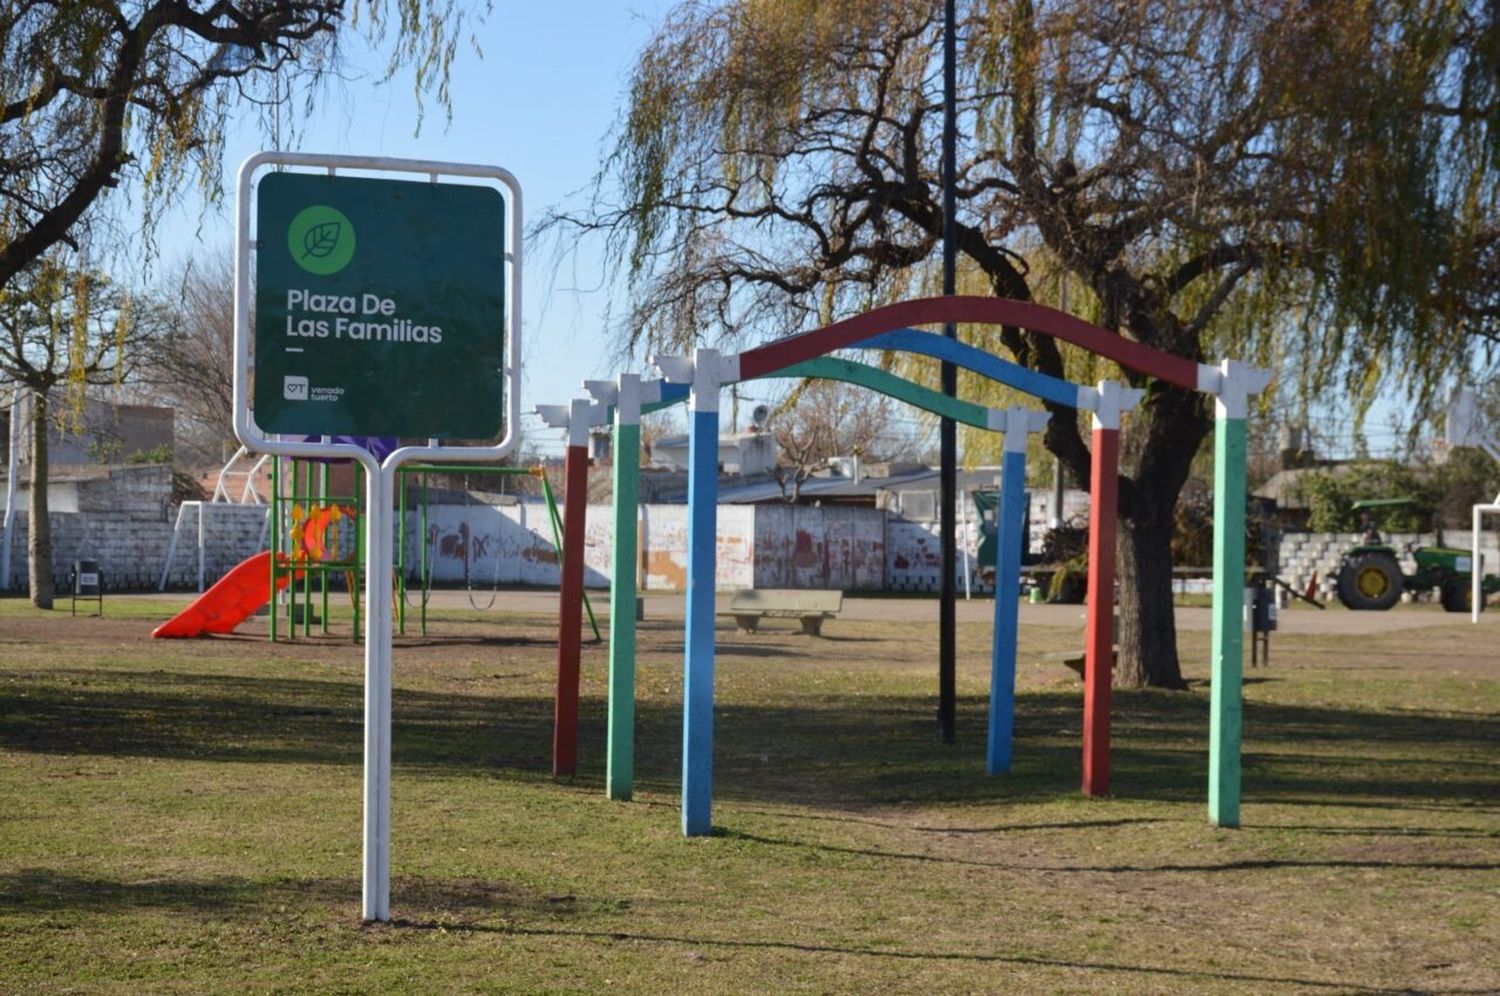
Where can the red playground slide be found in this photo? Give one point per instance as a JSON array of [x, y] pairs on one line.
[[227, 604]]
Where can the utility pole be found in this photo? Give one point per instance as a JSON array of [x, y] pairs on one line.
[[948, 431]]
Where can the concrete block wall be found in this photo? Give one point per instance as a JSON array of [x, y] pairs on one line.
[[124, 520], [131, 550], [823, 547], [1302, 554], [231, 533]]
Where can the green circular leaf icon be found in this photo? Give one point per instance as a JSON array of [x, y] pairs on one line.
[[321, 239]]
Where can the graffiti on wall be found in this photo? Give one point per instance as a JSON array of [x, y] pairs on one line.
[[800, 546], [760, 546]]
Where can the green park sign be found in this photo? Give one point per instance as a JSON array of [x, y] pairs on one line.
[[379, 307]]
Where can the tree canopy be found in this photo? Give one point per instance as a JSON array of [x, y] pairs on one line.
[[93, 94], [1309, 186]]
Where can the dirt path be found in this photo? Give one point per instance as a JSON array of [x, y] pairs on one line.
[[1299, 619]]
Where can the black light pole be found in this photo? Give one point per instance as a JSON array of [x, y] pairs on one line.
[[948, 432]]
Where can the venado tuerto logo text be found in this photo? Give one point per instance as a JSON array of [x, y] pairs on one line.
[[321, 239], [295, 388]]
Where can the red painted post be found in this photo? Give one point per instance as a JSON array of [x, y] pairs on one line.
[[570, 600], [1099, 637], [1099, 633]]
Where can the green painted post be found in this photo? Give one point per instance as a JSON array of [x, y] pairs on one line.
[[307, 576], [620, 760], [426, 567], [1225, 723], [359, 545], [323, 575], [1234, 383], [275, 538]]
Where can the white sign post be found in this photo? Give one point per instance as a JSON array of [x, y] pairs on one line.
[[380, 475]]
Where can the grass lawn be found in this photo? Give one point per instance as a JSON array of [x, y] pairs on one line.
[[185, 816]]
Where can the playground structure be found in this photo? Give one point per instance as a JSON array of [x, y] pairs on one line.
[[699, 378], [312, 544], [315, 534], [425, 536]]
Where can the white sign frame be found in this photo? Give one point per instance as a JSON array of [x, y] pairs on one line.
[[380, 475]]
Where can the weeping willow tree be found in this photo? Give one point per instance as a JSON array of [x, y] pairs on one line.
[[1308, 184], [96, 94]]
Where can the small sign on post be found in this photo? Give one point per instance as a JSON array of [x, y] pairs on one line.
[[87, 584]]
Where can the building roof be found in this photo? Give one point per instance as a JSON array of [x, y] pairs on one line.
[[838, 488]]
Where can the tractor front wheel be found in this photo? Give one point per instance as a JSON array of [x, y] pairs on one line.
[[1458, 596], [1370, 582]]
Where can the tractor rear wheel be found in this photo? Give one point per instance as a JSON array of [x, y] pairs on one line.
[[1457, 596], [1370, 582]]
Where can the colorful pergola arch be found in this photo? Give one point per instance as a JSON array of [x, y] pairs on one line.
[[700, 378], [1231, 382]]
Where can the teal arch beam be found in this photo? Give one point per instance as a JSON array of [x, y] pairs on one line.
[[864, 375]]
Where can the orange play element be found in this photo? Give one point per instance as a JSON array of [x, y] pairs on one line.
[[316, 532], [236, 596]]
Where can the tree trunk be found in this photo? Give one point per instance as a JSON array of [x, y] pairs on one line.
[[1148, 629], [39, 528], [1159, 445]]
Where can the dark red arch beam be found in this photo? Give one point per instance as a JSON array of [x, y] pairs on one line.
[[773, 356]]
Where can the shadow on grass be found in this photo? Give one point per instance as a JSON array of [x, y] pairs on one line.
[[828, 752], [417, 642], [474, 905], [1129, 975], [1266, 864], [37, 890]]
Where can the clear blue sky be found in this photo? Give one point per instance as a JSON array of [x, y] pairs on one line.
[[539, 103]]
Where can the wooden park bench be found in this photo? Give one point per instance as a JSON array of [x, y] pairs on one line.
[[750, 605]]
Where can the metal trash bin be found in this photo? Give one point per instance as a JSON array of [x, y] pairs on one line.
[[1260, 617]]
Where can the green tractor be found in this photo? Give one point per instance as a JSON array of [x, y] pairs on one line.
[[1370, 576]]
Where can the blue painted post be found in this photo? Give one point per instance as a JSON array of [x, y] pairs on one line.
[[1010, 518], [698, 663]]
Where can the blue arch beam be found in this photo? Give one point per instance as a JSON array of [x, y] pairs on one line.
[[1038, 385]]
